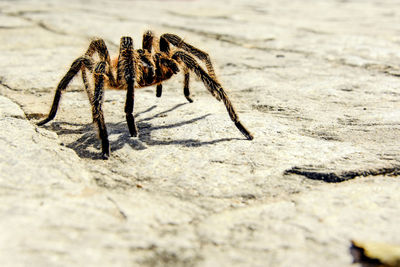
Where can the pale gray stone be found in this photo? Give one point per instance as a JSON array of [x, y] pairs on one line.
[[317, 82]]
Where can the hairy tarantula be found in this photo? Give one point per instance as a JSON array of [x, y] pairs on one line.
[[137, 68]]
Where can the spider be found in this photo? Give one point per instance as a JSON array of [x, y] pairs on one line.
[[136, 68]]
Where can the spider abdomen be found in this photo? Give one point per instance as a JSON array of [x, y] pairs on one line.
[[155, 69]]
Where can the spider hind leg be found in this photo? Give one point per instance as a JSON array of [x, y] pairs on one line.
[[147, 45], [186, 90], [214, 87], [159, 90], [177, 41]]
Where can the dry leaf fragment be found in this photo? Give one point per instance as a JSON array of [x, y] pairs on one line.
[[375, 254]]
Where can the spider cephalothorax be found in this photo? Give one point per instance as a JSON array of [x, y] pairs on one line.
[[151, 65]]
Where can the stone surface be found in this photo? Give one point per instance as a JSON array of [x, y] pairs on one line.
[[317, 82]]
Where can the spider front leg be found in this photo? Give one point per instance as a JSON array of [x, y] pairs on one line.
[[147, 42], [97, 111], [82, 63], [78, 64], [127, 70], [214, 87], [99, 46]]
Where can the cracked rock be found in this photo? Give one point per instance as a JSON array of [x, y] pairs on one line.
[[316, 82]]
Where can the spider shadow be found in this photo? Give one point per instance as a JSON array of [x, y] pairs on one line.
[[89, 146]]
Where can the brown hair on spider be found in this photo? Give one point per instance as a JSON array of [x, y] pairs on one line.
[[154, 63]]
